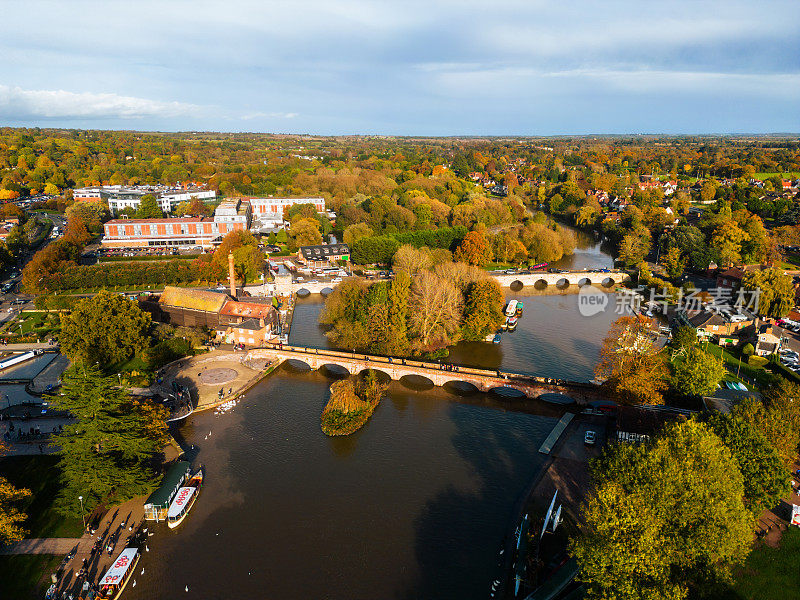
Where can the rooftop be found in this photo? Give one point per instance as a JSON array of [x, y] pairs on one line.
[[156, 221], [202, 300]]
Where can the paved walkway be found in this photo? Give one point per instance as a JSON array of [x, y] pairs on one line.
[[45, 546]]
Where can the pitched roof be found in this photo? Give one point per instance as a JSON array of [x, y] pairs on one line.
[[323, 251], [203, 300], [706, 318], [247, 309], [253, 324]]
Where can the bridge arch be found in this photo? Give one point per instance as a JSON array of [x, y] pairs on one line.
[[326, 291], [540, 284], [417, 382], [297, 364], [461, 387], [303, 292], [584, 281], [382, 375], [506, 392], [562, 283], [335, 370], [607, 282], [516, 285]]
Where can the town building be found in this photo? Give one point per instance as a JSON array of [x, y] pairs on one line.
[[248, 320], [120, 197], [325, 255], [766, 341], [230, 215], [268, 212]]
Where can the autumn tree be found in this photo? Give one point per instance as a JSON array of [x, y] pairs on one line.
[[664, 518], [673, 262], [106, 329], [305, 232], [11, 516], [434, 311], [474, 249], [630, 366], [355, 232]]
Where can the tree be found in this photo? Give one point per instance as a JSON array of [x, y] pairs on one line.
[[664, 517], [411, 260], [149, 208], [11, 517], [631, 368], [684, 338], [698, 373], [726, 242], [747, 349], [673, 262], [230, 243], [765, 478], [633, 249], [773, 289], [305, 232], [106, 329], [434, 311], [108, 451], [355, 232], [248, 262], [473, 250], [483, 309], [778, 417], [50, 189]]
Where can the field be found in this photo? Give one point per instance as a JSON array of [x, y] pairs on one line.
[[792, 175], [771, 573]]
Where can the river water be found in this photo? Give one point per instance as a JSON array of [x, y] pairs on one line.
[[414, 505]]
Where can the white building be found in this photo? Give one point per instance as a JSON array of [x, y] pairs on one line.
[[120, 197], [268, 212]]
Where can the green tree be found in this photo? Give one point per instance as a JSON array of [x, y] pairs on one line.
[[107, 453], [355, 232], [774, 291], [665, 516], [483, 309], [726, 243], [106, 329], [698, 373], [766, 480], [779, 417], [399, 292], [249, 262], [633, 249], [149, 208]]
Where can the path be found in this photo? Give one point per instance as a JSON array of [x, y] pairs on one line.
[[45, 546]]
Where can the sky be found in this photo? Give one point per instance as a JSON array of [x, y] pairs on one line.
[[435, 67]]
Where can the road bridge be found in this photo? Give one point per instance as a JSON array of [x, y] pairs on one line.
[[399, 368], [516, 281]]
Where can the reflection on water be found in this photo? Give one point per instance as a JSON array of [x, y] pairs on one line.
[[414, 505], [28, 369]]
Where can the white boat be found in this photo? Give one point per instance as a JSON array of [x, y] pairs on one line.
[[511, 308], [116, 578], [184, 499]]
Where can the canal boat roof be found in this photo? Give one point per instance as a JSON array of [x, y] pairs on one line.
[[181, 501], [169, 486], [116, 573]]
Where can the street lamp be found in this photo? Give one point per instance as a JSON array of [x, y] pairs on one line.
[[83, 518]]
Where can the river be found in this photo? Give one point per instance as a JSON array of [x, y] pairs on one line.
[[414, 505]]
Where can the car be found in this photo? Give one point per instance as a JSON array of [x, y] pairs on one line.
[[336, 280], [18, 301], [510, 272], [738, 318], [299, 280], [590, 438]]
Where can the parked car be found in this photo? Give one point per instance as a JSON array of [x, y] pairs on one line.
[[738, 318], [336, 280], [590, 438]]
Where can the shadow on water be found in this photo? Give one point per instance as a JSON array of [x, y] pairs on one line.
[[450, 565]]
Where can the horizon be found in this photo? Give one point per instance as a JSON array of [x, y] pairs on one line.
[[410, 69]]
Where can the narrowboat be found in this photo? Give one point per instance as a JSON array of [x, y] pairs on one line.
[[496, 338], [116, 578], [519, 308], [511, 323], [184, 499]]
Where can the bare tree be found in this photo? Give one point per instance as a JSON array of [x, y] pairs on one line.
[[435, 313]]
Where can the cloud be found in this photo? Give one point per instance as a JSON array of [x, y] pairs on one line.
[[269, 115], [19, 104]]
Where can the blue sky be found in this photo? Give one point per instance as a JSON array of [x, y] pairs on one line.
[[405, 68]]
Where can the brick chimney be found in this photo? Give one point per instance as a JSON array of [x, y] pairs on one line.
[[231, 274]]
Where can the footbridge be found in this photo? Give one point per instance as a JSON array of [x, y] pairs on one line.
[[438, 374]]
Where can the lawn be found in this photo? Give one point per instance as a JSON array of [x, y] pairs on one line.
[[40, 475], [762, 176], [25, 577], [771, 573]]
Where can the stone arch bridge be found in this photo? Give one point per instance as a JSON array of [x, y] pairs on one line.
[[561, 281], [398, 368]]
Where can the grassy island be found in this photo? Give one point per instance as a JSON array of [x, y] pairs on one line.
[[351, 404]]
